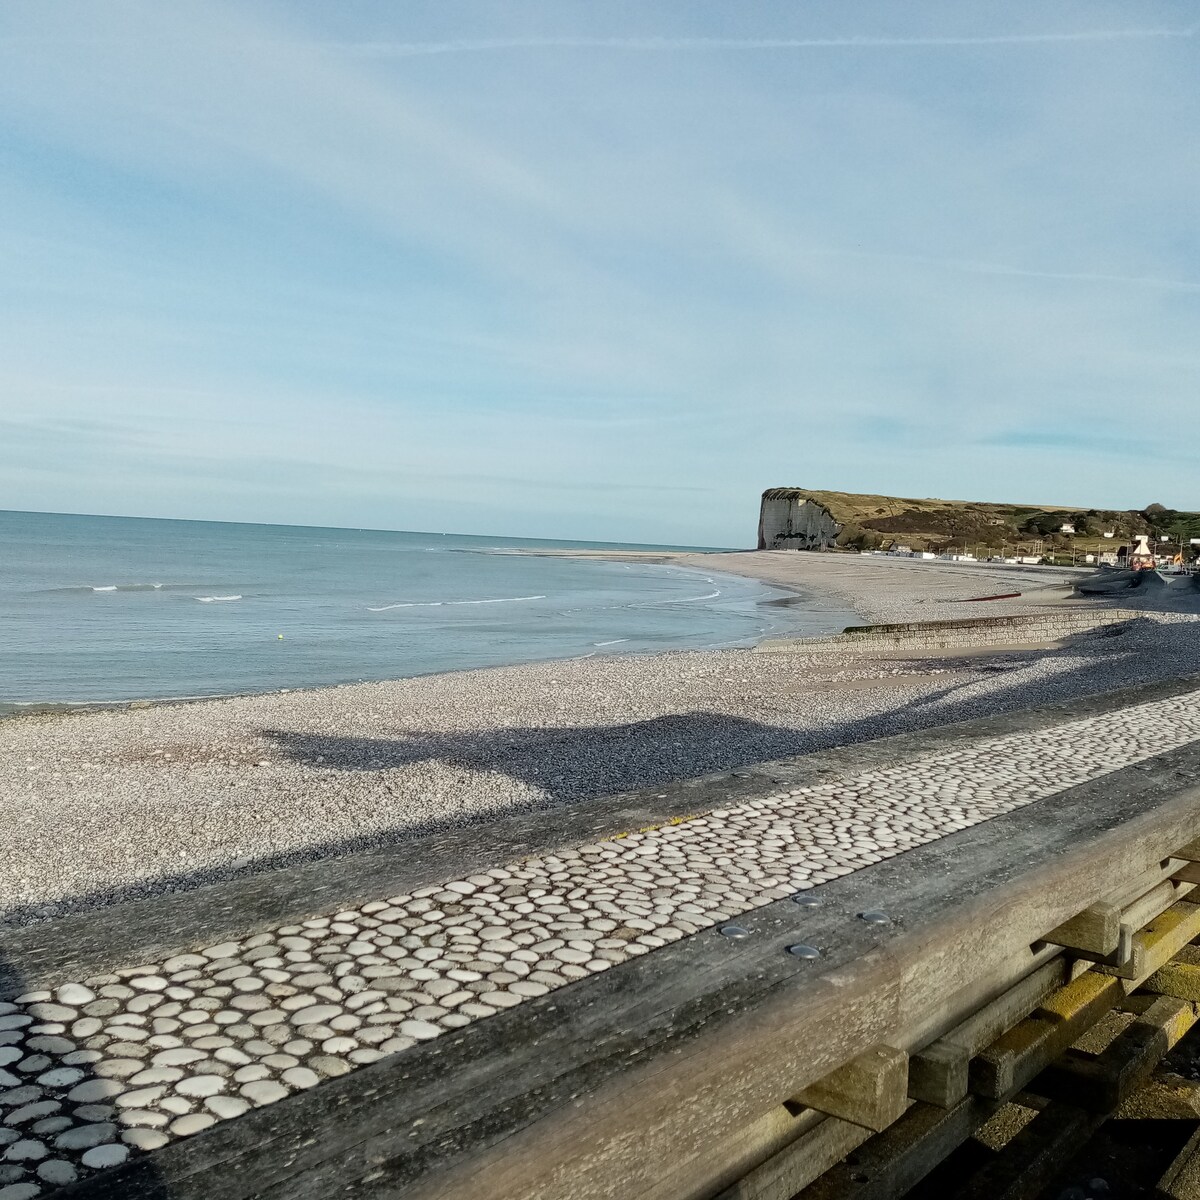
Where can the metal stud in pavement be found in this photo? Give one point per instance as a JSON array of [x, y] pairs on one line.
[[802, 951]]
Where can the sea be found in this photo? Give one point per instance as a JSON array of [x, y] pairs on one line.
[[101, 610]]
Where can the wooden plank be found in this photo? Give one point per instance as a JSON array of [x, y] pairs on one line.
[[795, 1167], [1189, 853], [938, 1074], [964, 997], [1158, 942], [1181, 1180], [1017, 1056], [729, 1159], [896, 1160], [1180, 977], [1096, 930], [1102, 1082], [1190, 873], [1120, 956], [1155, 874], [871, 1090], [1157, 900]]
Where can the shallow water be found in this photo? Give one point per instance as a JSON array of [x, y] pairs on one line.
[[97, 609]]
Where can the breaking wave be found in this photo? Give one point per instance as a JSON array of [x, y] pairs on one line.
[[106, 587], [693, 599], [216, 599], [450, 603]]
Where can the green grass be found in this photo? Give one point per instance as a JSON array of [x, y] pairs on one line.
[[870, 521]]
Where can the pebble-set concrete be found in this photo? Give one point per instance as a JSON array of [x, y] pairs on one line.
[[121, 1063]]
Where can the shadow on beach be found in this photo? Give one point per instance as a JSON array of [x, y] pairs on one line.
[[579, 763], [576, 764]]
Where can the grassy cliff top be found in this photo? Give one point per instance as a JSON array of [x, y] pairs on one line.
[[871, 520]]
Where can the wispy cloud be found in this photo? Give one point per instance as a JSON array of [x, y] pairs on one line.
[[683, 44], [974, 267], [266, 239], [1092, 442]]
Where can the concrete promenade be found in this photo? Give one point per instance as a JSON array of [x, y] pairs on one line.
[[145, 1048]]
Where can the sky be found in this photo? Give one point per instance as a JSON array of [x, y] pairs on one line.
[[595, 269]]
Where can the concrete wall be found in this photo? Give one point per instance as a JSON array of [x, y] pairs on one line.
[[792, 523], [947, 635]]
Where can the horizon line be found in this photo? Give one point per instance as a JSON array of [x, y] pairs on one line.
[[583, 542]]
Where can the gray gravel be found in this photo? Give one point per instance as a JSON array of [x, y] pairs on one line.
[[104, 805]]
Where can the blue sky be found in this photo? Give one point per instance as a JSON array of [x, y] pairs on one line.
[[594, 270]]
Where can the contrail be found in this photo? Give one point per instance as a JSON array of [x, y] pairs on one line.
[[1151, 281], [977, 267], [483, 45]]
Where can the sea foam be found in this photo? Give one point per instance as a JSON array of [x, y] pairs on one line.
[[111, 587], [451, 603]]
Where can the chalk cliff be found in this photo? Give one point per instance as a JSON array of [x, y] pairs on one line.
[[790, 519]]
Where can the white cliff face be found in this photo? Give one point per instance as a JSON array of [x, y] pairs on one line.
[[792, 522]]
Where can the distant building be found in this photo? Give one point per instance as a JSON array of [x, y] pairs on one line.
[[1066, 528]]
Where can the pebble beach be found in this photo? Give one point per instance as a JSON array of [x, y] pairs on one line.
[[112, 804], [97, 1069]]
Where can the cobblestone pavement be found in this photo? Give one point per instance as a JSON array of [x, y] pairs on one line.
[[121, 1063]]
